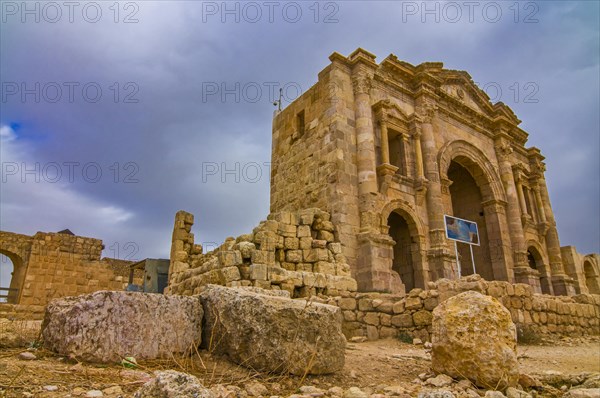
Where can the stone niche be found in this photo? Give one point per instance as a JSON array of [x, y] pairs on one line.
[[294, 251]]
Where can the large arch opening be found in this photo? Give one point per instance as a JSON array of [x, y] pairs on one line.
[[536, 262], [11, 277], [591, 277], [467, 203], [407, 257]]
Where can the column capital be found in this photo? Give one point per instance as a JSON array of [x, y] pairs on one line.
[[427, 112], [361, 83]]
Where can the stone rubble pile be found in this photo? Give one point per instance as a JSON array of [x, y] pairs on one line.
[[296, 252]]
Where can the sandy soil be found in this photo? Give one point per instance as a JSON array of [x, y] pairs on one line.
[[369, 365]]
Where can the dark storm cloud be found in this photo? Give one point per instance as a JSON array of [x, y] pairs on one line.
[[168, 143]]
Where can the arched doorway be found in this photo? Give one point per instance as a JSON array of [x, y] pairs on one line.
[[536, 262], [466, 198], [11, 276], [591, 277], [407, 261]]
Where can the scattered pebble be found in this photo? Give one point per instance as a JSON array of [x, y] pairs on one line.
[[27, 356], [50, 388], [94, 394]]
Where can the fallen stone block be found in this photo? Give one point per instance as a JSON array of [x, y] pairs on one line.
[[474, 337], [273, 334], [107, 326]]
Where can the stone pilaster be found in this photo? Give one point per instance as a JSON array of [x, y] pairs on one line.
[[562, 284], [441, 261], [517, 239], [375, 259]]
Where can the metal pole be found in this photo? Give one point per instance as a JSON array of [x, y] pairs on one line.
[[472, 259], [457, 260]]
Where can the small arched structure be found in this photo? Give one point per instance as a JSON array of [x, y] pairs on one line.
[[402, 225], [592, 275], [536, 261]]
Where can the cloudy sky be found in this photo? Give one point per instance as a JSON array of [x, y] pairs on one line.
[[116, 115]]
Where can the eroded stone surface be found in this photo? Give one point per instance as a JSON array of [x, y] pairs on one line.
[[172, 384], [474, 337], [271, 333], [107, 326]]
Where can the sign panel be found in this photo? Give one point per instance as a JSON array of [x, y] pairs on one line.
[[461, 230]]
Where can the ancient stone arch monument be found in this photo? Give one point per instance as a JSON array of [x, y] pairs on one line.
[[388, 148]]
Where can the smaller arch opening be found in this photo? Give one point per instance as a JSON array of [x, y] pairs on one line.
[[592, 279]]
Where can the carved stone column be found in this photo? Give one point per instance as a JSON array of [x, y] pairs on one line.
[[562, 284], [365, 137], [416, 134], [441, 262], [385, 148], [517, 237]]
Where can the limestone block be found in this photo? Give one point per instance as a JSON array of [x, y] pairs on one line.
[[422, 318], [413, 303], [106, 326], [319, 244], [326, 236], [258, 272], [263, 257], [314, 255], [229, 274], [324, 267], [474, 337], [293, 256], [399, 307], [347, 303], [287, 230], [230, 258], [306, 243], [291, 243], [274, 334], [403, 321], [303, 231], [277, 274], [245, 249]]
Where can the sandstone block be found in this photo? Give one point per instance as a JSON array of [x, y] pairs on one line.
[[106, 326], [293, 256], [473, 336], [274, 334], [258, 272]]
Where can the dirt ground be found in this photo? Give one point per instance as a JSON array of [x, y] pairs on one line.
[[369, 365]]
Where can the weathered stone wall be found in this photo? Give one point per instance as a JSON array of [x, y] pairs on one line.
[[52, 265], [378, 315], [296, 252]]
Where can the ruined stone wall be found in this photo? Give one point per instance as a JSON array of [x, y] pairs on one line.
[[378, 315], [52, 265], [317, 167], [293, 251]]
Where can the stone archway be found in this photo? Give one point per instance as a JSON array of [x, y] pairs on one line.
[[17, 278], [475, 192], [536, 261], [408, 249], [592, 277]]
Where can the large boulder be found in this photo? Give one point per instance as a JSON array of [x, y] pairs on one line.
[[473, 337], [172, 384], [271, 333], [107, 326]]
